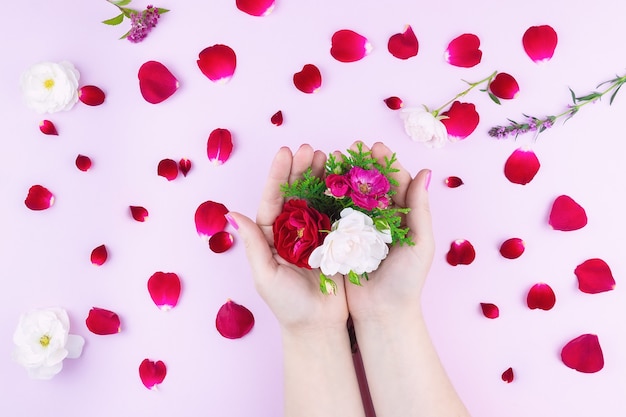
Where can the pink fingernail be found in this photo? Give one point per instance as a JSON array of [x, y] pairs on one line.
[[230, 219], [427, 182]]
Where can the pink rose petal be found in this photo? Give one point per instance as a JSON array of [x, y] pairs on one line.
[[508, 376], [219, 146], [461, 253], [218, 63], [164, 289], [184, 165], [453, 182], [99, 255], [349, 46], [221, 242], [139, 213], [168, 169], [583, 354], [152, 373], [403, 45], [461, 120], [39, 198], [83, 163], [91, 95], [234, 321], [464, 51], [491, 311], [277, 118], [567, 215], [210, 218], [308, 80], [103, 322], [256, 7], [156, 82], [541, 296], [521, 166], [512, 248], [504, 86], [594, 276], [540, 42], [48, 128], [394, 103]]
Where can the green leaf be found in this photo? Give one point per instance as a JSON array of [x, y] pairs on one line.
[[354, 278], [573, 95], [494, 98], [120, 2], [614, 94], [114, 20], [589, 97], [162, 10], [124, 36]]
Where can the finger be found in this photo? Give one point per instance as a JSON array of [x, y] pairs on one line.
[[272, 199], [380, 151], [419, 219], [258, 250], [318, 165], [355, 146], [302, 160]]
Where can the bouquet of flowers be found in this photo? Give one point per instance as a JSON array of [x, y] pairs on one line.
[[342, 223]]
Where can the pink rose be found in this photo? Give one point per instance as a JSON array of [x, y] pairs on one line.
[[338, 185]]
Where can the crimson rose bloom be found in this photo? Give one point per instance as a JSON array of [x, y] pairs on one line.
[[297, 232]]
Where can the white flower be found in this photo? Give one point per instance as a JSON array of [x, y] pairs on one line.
[[42, 341], [354, 244], [422, 126], [49, 87]]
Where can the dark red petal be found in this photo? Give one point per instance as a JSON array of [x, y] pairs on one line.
[[256, 7], [152, 373], [39, 198], [463, 51], [99, 255], [83, 163], [461, 120], [218, 63], [508, 376], [91, 95], [309, 80], [583, 354], [233, 320], [512, 248], [221, 242], [219, 146], [521, 166], [101, 321], [277, 118], [541, 296], [394, 103], [491, 311], [540, 42], [156, 82], [567, 215], [210, 218], [403, 45], [349, 46], [164, 289], [461, 253], [594, 276], [139, 213], [184, 165], [504, 86], [453, 182], [48, 128], [167, 168]]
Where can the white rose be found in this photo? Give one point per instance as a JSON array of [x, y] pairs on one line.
[[42, 341], [49, 87], [354, 244], [422, 126]]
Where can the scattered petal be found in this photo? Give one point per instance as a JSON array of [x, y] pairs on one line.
[[256, 7], [583, 354], [461, 253], [541, 296], [39, 198], [219, 146], [48, 128], [210, 218], [512, 248], [309, 80], [139, 213], [453, 182], [99, 255], [184, 165], [349, 46], [218, 63], [540, 42], [168, 169], [277, 118], [164, 289], [103, 322], [156, 82], [464, 51], [504, 86], [394, 103], [567, 215], [521, 166], [221, 242], [152, 373], [508, 376], [460, 120], [403, 45], [233, 320], [594, 276], [491, 311], [83, 163], [91, 95]]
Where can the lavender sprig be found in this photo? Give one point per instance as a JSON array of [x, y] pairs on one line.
[[141, 22]]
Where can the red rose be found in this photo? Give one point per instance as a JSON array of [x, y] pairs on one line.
[[297, 231]]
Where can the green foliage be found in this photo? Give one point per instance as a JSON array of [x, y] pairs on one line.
[[311, 189], [114, 20]]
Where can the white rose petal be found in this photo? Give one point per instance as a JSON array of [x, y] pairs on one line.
[[423, 127], [50, 87]]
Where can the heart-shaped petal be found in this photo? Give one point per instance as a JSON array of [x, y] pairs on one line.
[[540, 42], [491, 311], [508, 376], [91, 95], [594, 276], [453, 182], [83, 163], [504, 86], [184, 165], [152, 373], [139, 213], [308, 80], [463, 51], [48, 128], [583, 354], [541, 296], [210, 218], [461, 253], [218, 63], [221, 242], [460, 120], [39, 198], [512, 248], [99, 255], [277, 118], [168, 169], [103, 322], [394, 103], [567, 215], [403, 45], [349, 46], [219, 146], [164, 289], [234, 320], [156, 82], [521, 166], [256, 7]]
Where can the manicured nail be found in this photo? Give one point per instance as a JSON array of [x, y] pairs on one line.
[[427, 182], [231, 221]]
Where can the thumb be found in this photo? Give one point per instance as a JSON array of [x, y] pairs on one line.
[[258, 250], [419, 219]]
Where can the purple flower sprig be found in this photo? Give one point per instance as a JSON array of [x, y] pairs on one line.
[[539, 125], [142, 22]]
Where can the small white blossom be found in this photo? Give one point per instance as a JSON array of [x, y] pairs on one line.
[[422, 126], [48, 87]]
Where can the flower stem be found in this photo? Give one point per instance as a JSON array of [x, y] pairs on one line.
[[464, 92]]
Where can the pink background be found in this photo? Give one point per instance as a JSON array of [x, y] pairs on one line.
[[44, 256]]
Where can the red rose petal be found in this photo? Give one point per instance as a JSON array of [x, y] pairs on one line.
[[48, 128], [461, 120], [541, 296], [256, 7], [461, 253], [39, 198], [583, 354], [567, 215], [139, 213], [504, 86], [540, 42], [394, 103], [309, 80], [167, 168], [164, 289], [463, 51], [521, 166], [156, 82], [218, 63], [83, 163], [403, 45], [184, 165], [349, 46], [508, 376], [277, 118], [594, 276], [219, 146], [152, 373], [221, 242], [210, 218], [99, 255], [103, 322], [512, 248], [491, 311], [453, 182], [91, 95], [233, 320]]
